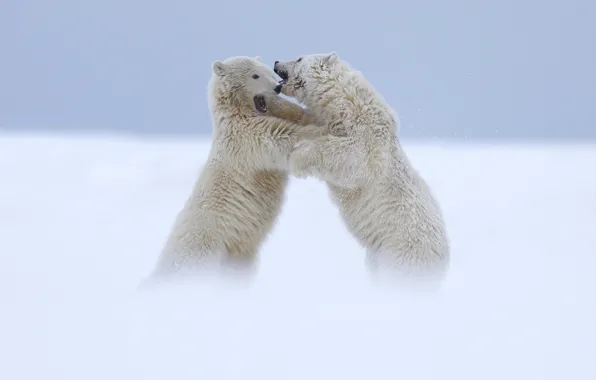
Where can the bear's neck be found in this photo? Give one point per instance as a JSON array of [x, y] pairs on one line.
[[343, 99]]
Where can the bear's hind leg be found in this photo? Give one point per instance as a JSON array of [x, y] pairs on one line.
[[240, 261]]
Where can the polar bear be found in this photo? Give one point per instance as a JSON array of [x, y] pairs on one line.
[[241, 189], [382, 199]]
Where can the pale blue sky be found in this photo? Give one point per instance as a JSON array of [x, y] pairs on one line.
[[460, 68]]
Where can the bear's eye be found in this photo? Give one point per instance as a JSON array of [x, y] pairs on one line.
[[255, 76], [299, 59]]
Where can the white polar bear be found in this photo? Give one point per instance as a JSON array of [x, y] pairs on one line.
[[241, 189], [383, 201]]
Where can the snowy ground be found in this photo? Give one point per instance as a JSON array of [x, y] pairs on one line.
[[83, 221]]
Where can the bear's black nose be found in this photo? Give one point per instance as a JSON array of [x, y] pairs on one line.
[[277, 88]]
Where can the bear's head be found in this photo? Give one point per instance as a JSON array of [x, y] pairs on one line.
[[299, 77], [237, 81]]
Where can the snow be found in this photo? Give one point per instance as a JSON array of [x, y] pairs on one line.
[[83, 220]]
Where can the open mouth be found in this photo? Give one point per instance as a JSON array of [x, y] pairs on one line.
[[283, 74], [284, 79]]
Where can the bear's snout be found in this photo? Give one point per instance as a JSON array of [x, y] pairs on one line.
[[280, 71]]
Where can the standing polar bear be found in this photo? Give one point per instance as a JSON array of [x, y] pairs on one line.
[[241, 189], [383, 201]]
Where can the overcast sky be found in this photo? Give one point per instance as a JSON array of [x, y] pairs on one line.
[[459, 68]]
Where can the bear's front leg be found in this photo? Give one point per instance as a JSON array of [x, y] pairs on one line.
[[276, 106], [304, 158], [341, 161]]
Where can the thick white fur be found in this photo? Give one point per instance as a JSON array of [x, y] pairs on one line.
[[241, 189], [384, 202]]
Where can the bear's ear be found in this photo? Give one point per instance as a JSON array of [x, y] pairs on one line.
[[331, 58], [219, 68], [259, 58]]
